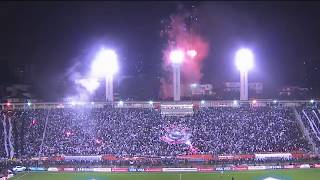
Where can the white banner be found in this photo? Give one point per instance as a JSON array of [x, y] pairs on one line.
[[53, 169], [68, 169], [257, 167], [305, 166], [86, 169], [179, 169], [102, 169], [273, 156], [83, 158]]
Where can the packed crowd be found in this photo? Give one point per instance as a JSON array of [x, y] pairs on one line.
[[310, 117], [138, 132]]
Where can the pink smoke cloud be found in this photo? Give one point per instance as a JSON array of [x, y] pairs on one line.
[[186, 39]]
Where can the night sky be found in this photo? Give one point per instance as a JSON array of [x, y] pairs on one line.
[[59, 38]]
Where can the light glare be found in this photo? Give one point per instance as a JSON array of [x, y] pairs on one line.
[[244, 60], [192, 53], [105, 64], [177, 56], [193, 85]]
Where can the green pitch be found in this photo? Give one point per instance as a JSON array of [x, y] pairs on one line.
[[299, 174]]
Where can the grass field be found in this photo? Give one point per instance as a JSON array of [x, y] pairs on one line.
[[299, 174]]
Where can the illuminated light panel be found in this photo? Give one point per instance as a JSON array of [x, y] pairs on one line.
[[244, 60], [177, 56], [105, 64]]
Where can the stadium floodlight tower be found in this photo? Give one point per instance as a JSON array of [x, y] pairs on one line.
[[106, 66], [176, 58], [244, 62]]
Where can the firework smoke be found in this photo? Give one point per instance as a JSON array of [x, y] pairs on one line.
[[181, 32], [82, 87]]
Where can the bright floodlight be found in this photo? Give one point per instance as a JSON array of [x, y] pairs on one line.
[[150, 102], [73, 103], [29, 103], [202, 101], [235, 102], [192, 53], [193, 85], [177, 56], [311, 101], [105, 63], [244, 59]]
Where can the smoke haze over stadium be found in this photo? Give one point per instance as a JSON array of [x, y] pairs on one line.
[[60, 39]]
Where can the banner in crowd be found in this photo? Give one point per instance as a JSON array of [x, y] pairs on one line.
[[298, 155], [304, 166], [223, 168], [119, 169], [236, 157], [273, 156], [39, 158], [206, 169], [274, 167], [82, 158], [289, 166], [136, 169], [153, 170], [109, 158], [54, 169], [101, 169], [240, 168], [85, 169], [179, 169], [176, 135], [37, 169], [56, 158], [68, 169], [195, 157], [257, 167]]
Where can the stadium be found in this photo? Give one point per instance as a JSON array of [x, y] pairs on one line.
[[83, 138], [216, 139]]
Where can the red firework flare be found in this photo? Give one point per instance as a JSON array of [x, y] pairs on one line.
[[194, 46]]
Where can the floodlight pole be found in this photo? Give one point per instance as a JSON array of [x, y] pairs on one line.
[[109, 88], [243, 85], [176, 82]]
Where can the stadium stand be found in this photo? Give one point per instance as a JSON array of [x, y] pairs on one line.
[[145, 132], [310, 117]]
